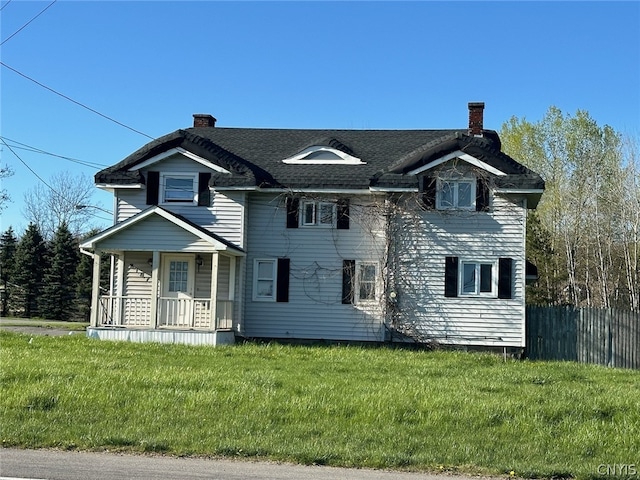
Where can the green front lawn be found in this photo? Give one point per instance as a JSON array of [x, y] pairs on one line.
[[347, 406]]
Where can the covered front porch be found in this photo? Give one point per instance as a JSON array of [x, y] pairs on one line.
[[168, 282]]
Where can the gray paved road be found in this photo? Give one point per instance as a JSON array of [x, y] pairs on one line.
[[55, 465]]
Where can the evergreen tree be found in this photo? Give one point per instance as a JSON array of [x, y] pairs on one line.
[[8, 246], [30, 264], [59, 292]]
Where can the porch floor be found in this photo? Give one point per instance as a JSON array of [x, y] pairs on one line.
[[185, 337]]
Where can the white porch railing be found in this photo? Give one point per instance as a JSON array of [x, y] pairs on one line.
[[128, 311], [124, 311]]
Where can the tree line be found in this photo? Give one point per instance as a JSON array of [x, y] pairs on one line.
[[584, 236], [40, 278]]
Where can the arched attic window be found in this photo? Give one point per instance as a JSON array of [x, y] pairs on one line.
[[323, 155]]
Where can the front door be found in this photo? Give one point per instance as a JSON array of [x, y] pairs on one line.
[[176, 305]]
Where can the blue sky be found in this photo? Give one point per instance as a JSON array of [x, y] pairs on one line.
[[381, 65]]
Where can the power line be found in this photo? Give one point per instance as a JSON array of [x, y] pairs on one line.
[[2, 7], [26, 24], [28, 167], [29, 148], [59, 195], [75, 101]]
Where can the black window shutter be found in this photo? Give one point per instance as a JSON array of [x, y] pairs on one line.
[[451, 276], [292, 205], [505, 274], [282, 287], [343, 215], [429, 192], [204, 195], [482, 195], [348, 280], [153, 185]]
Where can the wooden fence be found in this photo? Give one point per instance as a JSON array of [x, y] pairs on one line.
[[589, 335]]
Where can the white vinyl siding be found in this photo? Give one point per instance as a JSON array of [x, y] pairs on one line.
[[315, 308], [224, 217], [479, 237]]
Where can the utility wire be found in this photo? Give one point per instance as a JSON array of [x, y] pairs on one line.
[[28, 167], [2, 7], [26, 24], [24, 146], [76, 102], [41, 179]]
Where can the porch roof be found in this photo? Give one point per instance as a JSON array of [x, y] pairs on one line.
[[215, 242]]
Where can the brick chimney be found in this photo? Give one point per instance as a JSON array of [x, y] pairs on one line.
[[203, 120], [476, 118]]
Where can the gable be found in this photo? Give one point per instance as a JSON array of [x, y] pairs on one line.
[[178, 158], [155, 233], [452, 157], [158, 229]]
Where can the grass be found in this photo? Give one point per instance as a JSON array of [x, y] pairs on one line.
[[342, 406]]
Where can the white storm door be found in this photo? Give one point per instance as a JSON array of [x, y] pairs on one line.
[[177, 291]]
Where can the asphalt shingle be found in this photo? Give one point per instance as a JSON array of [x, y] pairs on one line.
[[254, 156]]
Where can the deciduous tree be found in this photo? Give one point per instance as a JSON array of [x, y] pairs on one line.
[[51, 207]]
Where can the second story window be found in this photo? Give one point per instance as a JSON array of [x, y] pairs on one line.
[[456, 194], [318, 213], [178, 188]]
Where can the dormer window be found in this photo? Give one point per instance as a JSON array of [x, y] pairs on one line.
[[456, 194], [323, 155], [178, 188]]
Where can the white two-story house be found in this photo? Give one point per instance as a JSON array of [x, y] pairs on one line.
[[337, 235]]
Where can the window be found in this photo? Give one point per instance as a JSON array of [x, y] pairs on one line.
[[466, 193], [318, 214], [359, 281], [473, 278], [366, 281], [271, 280], [314, 213], [325, 155], [178, 276], [264, 280], [478, 278], [177, 188], [456, 194]]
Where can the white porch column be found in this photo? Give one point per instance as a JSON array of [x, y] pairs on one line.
[[117, 294], [155, 274], [214, 290], [95, 289]]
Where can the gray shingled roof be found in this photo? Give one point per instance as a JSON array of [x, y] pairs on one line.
[[254, 156]]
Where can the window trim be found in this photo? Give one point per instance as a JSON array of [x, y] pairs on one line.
[[358, 282], [162, 188], [493, 293], [340, 157], [352, 280], [274, 280], [317, 206], [456, 181]]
